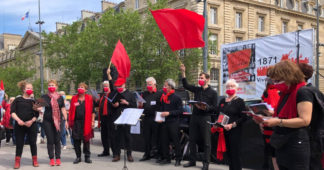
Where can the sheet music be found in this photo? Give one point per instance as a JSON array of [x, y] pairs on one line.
[[111, 100], [136, 129], [129, 116], [94, 94], [159, 118]]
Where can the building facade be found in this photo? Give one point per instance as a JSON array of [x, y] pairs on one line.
[[237, 20]]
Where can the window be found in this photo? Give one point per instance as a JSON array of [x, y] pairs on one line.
[[300, 27], [214, 78], [238, 20], [284, 28], [297, 5], [213, 15], [136, 4], [310, 9], [282, 3], [304, 7], [290, 4], [261, 24], [213, 39], [238, 39]]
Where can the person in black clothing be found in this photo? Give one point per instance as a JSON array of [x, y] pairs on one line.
[[105, 118], [126, 100], [25, 112], [199, 128], [150, 127], [54, 113], [232, 106], [171, 109], [81, 121]]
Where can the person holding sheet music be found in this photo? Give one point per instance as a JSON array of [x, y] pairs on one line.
[[232, 106], [198, 128], [105, 121], [171, 109], [126, 99], [150, 127], [81, 120]]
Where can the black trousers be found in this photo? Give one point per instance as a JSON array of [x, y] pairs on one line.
[[9, 133], [150, 131], [199, 129], [77, 148], [53, 139], [20, 133], [123, 134], [233, 142], [170, 132], [295, 154], [107, 126]]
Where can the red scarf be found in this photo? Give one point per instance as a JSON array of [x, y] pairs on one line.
[[165, 97], [221, 145], [55, 110], [105, 108], [6, 117], [273, 97], [289, 110], [87, 130]]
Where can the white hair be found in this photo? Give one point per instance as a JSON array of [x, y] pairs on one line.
[[105, 82], [151, 79], [171, 83], [231, 81]]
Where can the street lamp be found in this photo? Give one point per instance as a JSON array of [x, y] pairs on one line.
[[39, 22], [205, 36], [317, 46]]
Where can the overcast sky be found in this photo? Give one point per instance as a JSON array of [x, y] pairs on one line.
[[52, 11]]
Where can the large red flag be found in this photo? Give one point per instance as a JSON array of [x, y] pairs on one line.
[[121, 60], [181, 28], [2, 86]]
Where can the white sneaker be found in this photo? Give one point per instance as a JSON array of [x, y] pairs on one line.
[[64, 147]]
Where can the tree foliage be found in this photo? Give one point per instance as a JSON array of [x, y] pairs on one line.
[[86, 47]]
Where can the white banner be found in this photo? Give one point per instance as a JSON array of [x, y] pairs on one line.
[[247, 61]]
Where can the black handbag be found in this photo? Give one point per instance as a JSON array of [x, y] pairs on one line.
[[2, 133], [278, 140]]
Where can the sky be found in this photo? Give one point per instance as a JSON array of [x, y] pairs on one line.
[[52, 11]]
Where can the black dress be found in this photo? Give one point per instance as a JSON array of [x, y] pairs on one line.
[[77, 131]]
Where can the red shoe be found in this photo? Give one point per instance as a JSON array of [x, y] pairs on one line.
[[51, 162], [35, 163], [17, 162], [58, 162]]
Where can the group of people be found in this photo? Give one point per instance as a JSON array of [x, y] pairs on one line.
[[293, 109]]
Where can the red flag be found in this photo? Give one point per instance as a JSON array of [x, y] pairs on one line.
[[121, 60], [2, 86], [181, 28]]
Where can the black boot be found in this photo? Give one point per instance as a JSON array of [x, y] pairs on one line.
[[77, 160], [87, 160], [205, 166], [103, 154], [177, 163]]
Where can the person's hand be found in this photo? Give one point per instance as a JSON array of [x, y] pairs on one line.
[[269, 112], [29, 123], [115, 104], [228, 127], [21, 123], [140, 104], [123, 101], [93, 124], [66, 125], [37, 107], [182, 68], [272, 122], [165, 114], [257, 119], [108, 72]]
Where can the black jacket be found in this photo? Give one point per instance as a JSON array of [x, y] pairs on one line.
[[208, 96], [174, 107], [152, 104]]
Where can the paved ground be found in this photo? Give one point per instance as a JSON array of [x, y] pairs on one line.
[[7, 154]]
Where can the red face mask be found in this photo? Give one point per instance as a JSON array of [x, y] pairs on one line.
[[120, 89], [81, 90], [230, 92], [51, 89], [149, 88], [165, 90], [201, 82], [29, 92], [106, 89], [281, 86]]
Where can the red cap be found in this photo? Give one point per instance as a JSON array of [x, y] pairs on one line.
[[120, 82]]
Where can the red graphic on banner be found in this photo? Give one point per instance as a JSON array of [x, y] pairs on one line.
[[240, 76], [262, 71], [238, 60], [286, 57]]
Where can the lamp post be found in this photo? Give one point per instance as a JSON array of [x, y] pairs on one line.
[[39, 22], [317, 46], [205, 37]]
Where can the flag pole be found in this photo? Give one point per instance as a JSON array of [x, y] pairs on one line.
[[109, 65], [177, 56]]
